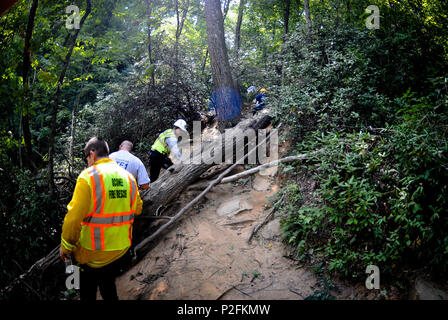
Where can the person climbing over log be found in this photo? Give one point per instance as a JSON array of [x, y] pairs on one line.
[[259, 101], [97, 228], [131, 163], [209, 115], [211, 108], [165, 144]]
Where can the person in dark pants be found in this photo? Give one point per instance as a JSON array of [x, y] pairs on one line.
[[158, 161], [260, 101], [97, 229], [103, 278], [165, 143]]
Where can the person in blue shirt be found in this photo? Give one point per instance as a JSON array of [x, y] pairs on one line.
[[260, 100], [210, 114], [212, 104]]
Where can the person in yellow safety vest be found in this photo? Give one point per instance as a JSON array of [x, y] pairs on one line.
[[97, 228], [165, 143]]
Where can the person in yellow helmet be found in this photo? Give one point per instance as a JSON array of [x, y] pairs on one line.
[[260, 100], [97, 229]]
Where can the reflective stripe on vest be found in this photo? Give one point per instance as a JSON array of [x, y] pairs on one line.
[[105, 226], [133, 190], [108, 222], [160, 144]]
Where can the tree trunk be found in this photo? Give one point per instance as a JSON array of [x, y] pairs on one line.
[[226, 9], [286, 11], [280, 67], [151, 59], [20, 140], [179, 27], [228, 100], [237, 42], [25, 122], [71, 154], [177, 36], [308, 20], [238, 25], [252, 150], [205, 61], [170, 185], [57, 99], [74, 114]]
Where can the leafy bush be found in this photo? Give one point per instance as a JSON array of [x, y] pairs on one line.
[[30, 223], [371, 110], [382, 199]]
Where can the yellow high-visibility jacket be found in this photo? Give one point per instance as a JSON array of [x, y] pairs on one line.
[[98, 226], [160, 144]]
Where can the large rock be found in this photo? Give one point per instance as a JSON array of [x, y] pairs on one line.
[[233, 206], [261, 183], [425, 290], [228, 207], [272, 230]]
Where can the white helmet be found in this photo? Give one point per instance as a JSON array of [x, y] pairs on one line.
[[181, 124]]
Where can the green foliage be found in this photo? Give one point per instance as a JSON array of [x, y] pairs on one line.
[[30, 222], [371, 111], [325, 284], [381, 199]]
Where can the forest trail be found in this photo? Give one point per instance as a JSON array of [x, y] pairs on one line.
[[206, 256], [201, 258]]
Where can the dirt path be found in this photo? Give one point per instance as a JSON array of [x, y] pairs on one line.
[[202, 258]]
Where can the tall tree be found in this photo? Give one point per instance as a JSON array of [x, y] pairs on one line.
[[228, 100], [238, 25], [179, 26], [149, 26], [226, 9], [308, 20], [57, 100], [286, 11], [25, 119], [237, 41]]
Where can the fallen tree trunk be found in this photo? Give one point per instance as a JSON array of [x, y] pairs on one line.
[[144, 244], [171, 184], [263, 166], [235, 177], [34, 272]]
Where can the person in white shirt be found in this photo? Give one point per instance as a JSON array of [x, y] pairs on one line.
[[131, 163]]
